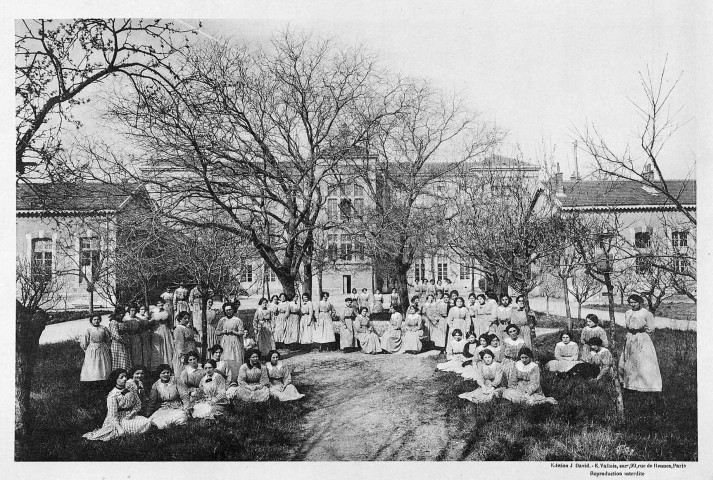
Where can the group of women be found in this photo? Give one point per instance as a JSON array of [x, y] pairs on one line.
[[205, 392]]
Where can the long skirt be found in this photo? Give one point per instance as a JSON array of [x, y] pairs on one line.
[[292, 329], [97, 363], [518, 396], [477, 396], [469, 372], [212, 338], [412, 342], [452, 365], [177, 363], [259, 394], [392, 341], [287, 394], [438, 333], [208, 410], [481, 324], [167, 341], [146, 349], [369, 342], [324, 328], [639, 365], [120, 356], [280, 328], [561, 365], [306, 329], [168, 306], [525, 335], [169, 417], [181, 306], [137, 349], [263, 336], [233, 351], [197, 314], [346, 334], [377, 307], [131, 426]]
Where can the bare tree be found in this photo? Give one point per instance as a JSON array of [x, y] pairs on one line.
[[583, 287], [550, 287], [57, 61]]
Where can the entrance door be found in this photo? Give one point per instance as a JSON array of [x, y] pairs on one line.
[[347, 284]]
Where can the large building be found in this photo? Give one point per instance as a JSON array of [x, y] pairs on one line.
[[65, 235]]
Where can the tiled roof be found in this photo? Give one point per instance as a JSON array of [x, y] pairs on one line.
[[495, 162], [74, 197], [624, 194]]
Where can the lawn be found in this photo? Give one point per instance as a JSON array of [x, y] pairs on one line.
[[361, 407], [677, 310]]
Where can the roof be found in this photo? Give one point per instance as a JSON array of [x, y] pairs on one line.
[[624, 194], [492, 163], [74, 198]]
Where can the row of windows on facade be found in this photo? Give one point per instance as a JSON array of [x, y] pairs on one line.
[[643, 239], [419, 271], [42, 259]]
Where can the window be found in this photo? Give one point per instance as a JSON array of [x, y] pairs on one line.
[[681, 265], [332, 247], [358, 190], [442, 271], [271, 277], [465, 272], [345, 206], [345, 190], [41, 259], [89, 259], [642, 239], [679, 239], [247, 273], [419, 272], [345, 247], [359, 206], [333, 209], [358, 249], [643, 264]]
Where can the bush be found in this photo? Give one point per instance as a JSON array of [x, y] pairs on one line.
[[68, 316]]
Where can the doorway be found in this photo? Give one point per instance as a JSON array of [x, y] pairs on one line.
[[346, 284]]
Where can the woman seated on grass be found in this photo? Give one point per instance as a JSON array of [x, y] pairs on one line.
[[278, 373], [392, 339], [524, 382], [489, 377], [469, 365], [496, 348], [454, 353], [471, 344], [598, 364], [211, 399], [122, 405], [566, 354], [412, 331], [166, 405], [135, 383], [190, 379], [591, 330], [252, 381], [221, 366], [368, 339]]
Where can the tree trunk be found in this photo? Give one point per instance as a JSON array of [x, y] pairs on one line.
[[615, 355], [567, 309], [527, 315], [204, 324], [579, 311], [320, 282], [401, 285], [472, 281], [547, 304], [307, 268], [29, 326]]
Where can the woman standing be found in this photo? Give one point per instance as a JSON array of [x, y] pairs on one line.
[[483, 317], [363, 299], [591, 330], [458, 317], [377, 305], [368, 339], [429, 317], [278, 373], [280, 326], [566, 354], [324, 328], [120, 343], [346, 330], [184, 341], [122, 406], [232, 332], [211, 399], [133, 325], [519, 318], [211, 322], [306, 322], [503, 313], [252, 381], [97, 360], [167, 298], [262, 327], [412, 331], [638, 363], [439, 322], [166, 405], [395, 300], [292, 329], [489, 378], [392, 340], [524, 382], [162, 334]]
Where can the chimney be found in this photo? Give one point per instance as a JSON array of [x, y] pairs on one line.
[[559, 181], [648, 173]]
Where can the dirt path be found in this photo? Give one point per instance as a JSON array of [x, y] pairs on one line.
[[370, 408]]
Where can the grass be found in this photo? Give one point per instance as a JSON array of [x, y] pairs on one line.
[[581, 426], [679, 311], [254, 432]]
